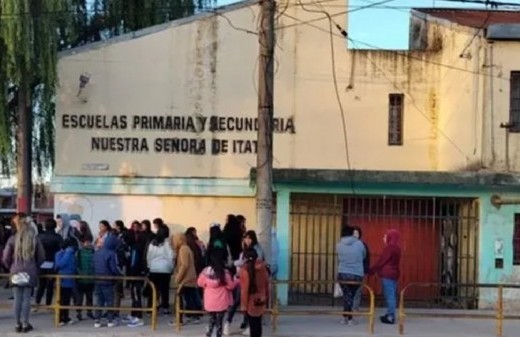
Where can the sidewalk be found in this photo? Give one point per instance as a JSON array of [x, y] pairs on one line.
[[288, 326]]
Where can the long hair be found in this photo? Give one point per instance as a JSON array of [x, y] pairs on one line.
[[233, 235], [25, 239], [161, 236], [254, 239], [216, 262], [250, 255], [85, 232]]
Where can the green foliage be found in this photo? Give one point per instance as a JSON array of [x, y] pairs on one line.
[[32, 32]]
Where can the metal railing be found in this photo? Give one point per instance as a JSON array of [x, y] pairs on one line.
[[274, 307], [499, 316], [56, 307]]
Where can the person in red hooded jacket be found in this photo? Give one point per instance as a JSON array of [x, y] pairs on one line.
[[387, 268]]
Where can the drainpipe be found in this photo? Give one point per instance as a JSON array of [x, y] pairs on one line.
[[497, 201], [491, 104], [508, 127]]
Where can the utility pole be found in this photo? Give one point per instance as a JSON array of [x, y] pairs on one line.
[[264, 156]]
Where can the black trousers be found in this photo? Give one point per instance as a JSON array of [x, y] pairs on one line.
[[188, 298], [215, 322], [136, 291], [45, 285], [162, 284], [85, 291], [255, 326], [66, 297]]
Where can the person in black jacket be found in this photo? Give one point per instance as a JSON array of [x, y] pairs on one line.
[[366, 266], [51, 242], [137, 267]]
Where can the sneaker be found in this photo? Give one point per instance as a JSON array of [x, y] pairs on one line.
[[136, 323], [79, 317], [34, 310], [97, 324], [246, 332], [172, 323], [351, 322], [387, 319], [195, 320], [127, 319], [18, 328], [243, 326], [90, 315], [111, 324], [344, 321], [225, 330], [27, 328], [61, 323]]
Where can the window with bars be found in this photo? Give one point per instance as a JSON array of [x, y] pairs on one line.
[[395, 119], [516, 241], [514, 106]]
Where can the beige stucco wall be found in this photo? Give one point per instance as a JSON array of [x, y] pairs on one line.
[[177, 211], [206, 67]]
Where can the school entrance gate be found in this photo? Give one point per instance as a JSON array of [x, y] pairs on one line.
[[439, 238]]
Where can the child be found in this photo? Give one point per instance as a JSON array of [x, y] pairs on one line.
[[387, 268], [254, 290], [85, 286], [65, 263], [105, 264], [217, 284]]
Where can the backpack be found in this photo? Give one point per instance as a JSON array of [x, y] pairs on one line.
[[85, 265]]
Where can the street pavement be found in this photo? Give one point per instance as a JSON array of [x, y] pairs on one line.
[[288, 326]]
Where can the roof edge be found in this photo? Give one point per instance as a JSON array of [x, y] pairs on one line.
[[157, 28], [468, 178]]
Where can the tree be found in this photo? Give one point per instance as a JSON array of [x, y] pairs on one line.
[[32, 32]]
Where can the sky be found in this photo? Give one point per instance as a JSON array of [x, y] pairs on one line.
[[386, 25]]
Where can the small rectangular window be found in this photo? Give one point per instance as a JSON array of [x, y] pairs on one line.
[[516, 241], [395, 119], [514, 105]]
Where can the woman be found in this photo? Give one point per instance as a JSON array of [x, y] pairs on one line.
[[217, 241], [387, 268], [22, 255], [159, 258], [254, 291], [351, 253], [104, 230], [366, 266]]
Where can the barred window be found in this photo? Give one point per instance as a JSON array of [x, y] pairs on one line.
[[514, 105], [516, 241], [395, 119]]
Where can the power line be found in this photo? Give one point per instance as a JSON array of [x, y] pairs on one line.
[[374, 47], [409, 97]]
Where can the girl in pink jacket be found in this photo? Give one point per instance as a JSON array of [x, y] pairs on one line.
[[217, 284]]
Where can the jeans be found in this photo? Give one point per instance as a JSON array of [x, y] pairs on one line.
[[22, 304], [188, 298], [356, 303], [236, 303], [255, 326], [84, 290], [136, 291], [66, 296], [162, 284], [45, 285], [105, 298], [390, 293], [349, 291]]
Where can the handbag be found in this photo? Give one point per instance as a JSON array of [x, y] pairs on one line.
[[20, 279], [338, 293]]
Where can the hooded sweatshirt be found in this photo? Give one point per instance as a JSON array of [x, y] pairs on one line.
[[217, 297], [351, 253], [105, 261], [185, 272], [388, 264]]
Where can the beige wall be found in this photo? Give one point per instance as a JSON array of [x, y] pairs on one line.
[[178, 212], [205, 67]]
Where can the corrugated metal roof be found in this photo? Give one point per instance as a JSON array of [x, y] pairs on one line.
[[476, 18]]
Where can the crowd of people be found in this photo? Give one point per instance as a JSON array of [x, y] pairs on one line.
[[226, 274]]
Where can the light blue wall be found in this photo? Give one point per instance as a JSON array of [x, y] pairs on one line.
[[284, 238], [152, 186], [497, 224]]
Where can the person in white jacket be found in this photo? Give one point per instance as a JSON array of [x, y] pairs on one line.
[[160, 259]]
